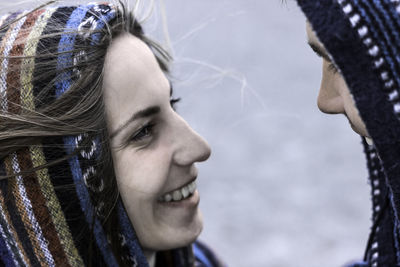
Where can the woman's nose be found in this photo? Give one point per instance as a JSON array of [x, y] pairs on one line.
[[329, 98], [190, 146], [329, 102]]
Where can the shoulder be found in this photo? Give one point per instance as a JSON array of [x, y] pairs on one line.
[[205, 257]]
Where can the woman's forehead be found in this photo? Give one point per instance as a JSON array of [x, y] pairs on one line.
[[133, 80], [130, 63], [128, 51]]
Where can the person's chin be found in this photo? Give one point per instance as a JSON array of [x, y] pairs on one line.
[[173, 238], [359, 128], [365, 135], [177, 230], [191, 231]]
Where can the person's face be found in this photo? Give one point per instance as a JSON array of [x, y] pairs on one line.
[[334, 96], [153, 149]]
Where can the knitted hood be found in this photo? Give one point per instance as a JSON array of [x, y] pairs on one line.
[[363, 39], [56, 184]]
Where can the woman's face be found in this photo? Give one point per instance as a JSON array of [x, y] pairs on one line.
[[334, 96], [154, 150]]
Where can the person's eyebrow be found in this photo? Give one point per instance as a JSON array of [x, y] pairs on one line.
[[319, 51], [147, 112]]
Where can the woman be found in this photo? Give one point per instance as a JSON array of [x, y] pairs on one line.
[[97, 168], [360, 46]]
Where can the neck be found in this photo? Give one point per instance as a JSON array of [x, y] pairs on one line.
[[151, 257]]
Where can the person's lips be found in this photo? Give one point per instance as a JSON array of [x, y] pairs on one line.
[[179, 194]]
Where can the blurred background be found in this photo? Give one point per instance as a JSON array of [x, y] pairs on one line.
[[286, 185]]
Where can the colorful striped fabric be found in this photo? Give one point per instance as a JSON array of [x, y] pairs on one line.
[[52, 216], [40, 223]]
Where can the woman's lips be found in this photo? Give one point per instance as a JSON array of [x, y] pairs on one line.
[[179, 194]]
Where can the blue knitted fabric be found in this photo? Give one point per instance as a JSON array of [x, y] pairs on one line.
[[363, 39]]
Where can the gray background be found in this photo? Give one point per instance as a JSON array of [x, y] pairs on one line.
[[285, 185]]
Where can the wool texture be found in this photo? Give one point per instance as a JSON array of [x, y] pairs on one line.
[[50, 216], [363, 40]]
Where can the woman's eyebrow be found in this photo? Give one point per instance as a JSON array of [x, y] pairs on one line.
[[319, 51], [147, 112]]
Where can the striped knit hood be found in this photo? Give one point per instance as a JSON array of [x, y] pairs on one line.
[[363, 39], [51, 209]]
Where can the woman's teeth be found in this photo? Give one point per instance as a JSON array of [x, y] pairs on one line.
[[180, 193]]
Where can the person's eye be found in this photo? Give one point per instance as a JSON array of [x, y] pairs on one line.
[[173, 102], [332, 68], [143, 133]]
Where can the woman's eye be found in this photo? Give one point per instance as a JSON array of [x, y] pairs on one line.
[[143, 133], [173, 102], [332, 68]]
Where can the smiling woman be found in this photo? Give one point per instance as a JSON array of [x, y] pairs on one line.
[[163, 197], [97, 167]]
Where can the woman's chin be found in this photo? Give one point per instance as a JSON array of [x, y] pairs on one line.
[[186, 235], [359, 128], [172, 236]]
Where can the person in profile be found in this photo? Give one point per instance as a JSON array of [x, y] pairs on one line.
[[96, 166], [359, 43]]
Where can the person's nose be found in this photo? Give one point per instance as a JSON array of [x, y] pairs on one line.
[[330, 100], [190, 146]]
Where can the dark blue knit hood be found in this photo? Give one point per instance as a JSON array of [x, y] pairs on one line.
[[363, 39]]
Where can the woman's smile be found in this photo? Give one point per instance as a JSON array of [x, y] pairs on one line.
[[154, 149], [179, 194]]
